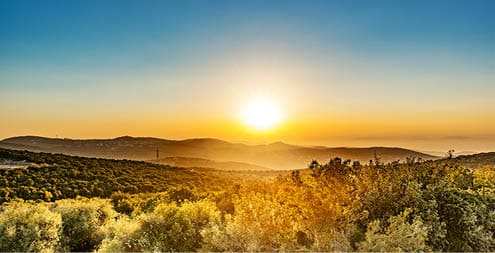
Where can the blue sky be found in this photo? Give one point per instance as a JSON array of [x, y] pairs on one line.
[[106, 33], [68, 60]]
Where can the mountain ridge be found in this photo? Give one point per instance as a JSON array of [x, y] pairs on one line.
[[276, 155]]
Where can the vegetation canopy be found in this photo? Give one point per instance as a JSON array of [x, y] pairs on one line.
[[65, 203]]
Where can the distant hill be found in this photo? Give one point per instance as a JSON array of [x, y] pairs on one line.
[[277, 155], [475, 160], [192, 162]]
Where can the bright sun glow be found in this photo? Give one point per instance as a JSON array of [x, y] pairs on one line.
[[261, 114]]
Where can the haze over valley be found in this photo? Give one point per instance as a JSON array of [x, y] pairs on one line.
[[215, 153]]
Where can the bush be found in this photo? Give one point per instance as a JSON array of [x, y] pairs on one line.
[[399, 235], [174, 228], [168, 228], [83, 220], [28, 227], [122, 235]]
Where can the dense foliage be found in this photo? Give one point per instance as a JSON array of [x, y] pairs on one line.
[[56, 176], [336, 206]]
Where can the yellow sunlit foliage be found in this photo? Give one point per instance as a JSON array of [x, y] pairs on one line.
[[334, 206]]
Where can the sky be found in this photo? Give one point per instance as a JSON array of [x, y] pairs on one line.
[[416, 74]]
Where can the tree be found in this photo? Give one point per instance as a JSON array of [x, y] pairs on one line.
[[450, 154]]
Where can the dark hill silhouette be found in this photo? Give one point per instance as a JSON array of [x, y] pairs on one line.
[[277, 155]]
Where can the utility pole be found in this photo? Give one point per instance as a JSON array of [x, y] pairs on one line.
[[157, 153]]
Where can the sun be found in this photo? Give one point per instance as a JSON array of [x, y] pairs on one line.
[[261, 114]]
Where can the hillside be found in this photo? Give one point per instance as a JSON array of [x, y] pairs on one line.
[[188, 162], [475, 160], [277, 155], [56, 176], [156, 203]]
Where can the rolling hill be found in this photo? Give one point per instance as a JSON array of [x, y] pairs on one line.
[[278, 155], [192, 162], [473, 161], [57, 176]]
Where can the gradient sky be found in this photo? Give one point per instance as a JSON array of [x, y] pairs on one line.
[[418, 74]]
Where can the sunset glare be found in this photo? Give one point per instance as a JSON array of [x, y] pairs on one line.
[[261, 114]]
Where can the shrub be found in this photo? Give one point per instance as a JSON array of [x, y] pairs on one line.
[[83, 220], [399, 235], [168, 228], [174, 228], [28, 227], [122, 235]]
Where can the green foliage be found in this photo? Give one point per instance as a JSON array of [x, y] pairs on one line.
[[337, 206], [122, 235], [56, 176], [399, 235], [122, 203], [26, 227], [161, 228], [168, 228], [83, 220]]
